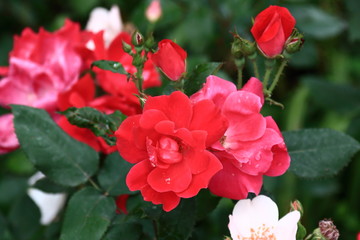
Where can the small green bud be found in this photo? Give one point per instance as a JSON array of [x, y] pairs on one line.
[[149, 43], [137, 39], [127, 47], [236, 49], [247, 47]]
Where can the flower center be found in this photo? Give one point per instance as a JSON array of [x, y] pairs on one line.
[[167, 151], [261, 233]]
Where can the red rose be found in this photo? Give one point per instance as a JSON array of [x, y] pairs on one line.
[[252, 145], [170, 58], [272, 27], [168, 142]]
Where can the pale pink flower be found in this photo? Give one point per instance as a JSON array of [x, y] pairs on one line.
[[8, 140], [153, 12], [259, 219], [105, 20]]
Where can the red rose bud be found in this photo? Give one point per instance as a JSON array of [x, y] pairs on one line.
[[272, 27], [137, 39], [328, 229], [170, 58]]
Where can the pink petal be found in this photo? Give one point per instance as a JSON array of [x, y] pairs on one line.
[[230, 182], [8, 139], [215, 89], [255, 86]]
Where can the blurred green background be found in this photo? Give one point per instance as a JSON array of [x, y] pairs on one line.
[[320, 87]]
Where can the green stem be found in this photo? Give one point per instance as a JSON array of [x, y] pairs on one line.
[[255, 67], [94, 185], [239, 66], [269, 64], [277, 76]]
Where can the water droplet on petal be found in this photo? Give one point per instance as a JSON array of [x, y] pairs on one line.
[[167, 180]]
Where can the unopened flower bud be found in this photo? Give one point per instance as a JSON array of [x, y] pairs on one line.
[[153, 12], [137, 39], [248, 48], [149, 43], [294, 43], [296, 205], [328, 229], [236, 49], [127, 47]]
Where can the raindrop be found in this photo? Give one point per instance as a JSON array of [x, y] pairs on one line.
[[167, 180]]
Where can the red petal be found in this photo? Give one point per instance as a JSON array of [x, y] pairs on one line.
[[176, 107], [207, 117], [202, 179], [125, 141], [176, 178], [169, 199], [150, 118], [137, 176]]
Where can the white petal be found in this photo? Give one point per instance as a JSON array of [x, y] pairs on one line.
[[49, 204], [252, 214], [287, 226]]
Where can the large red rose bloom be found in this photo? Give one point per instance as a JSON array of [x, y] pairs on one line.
[[168, 142]]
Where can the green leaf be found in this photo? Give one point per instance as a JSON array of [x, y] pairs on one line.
[[112, 175], [177, 224], [112, 66], [125, 228], [317, 23], [46, 185], [4, 231], [341, 98], [61, 158], [319, 152], [24, 218], [99, 123], [88, 215], [205, 203], [14, 187], [198, 76]]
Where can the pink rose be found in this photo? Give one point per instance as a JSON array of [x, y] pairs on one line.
[[168, 142], [252, 145], [37, 73], [170, 58], [272, 27], [42, 65]]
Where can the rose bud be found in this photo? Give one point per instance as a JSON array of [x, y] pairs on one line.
[[272, 27], [153, 12], [170, 58]]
